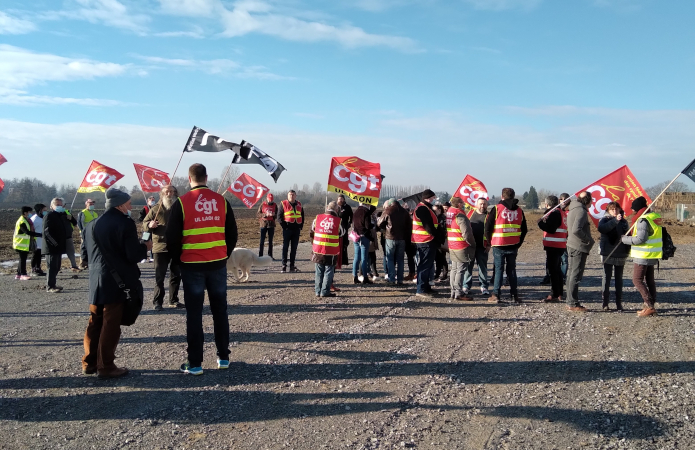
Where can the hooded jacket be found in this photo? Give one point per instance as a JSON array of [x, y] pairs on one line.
[[579, 227], [512, 204], [396, 223]]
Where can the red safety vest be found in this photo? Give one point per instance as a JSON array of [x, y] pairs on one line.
[[507, 226], [326, 235], [292, 214], [453, 231], [204, 216], [559, 238], [266, 208], [420, 235]]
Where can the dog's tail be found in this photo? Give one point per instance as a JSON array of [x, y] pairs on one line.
[[262, 260]]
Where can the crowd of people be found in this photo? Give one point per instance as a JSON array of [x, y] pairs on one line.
[[192, 236]]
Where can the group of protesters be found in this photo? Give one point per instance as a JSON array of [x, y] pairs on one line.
[[192, 237]]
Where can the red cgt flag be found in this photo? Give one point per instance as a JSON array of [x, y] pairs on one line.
[[248, 190], [618, 186], [358, 179], [151, 179], [99, 178], [471, 190], [3, 160], [2, 186]]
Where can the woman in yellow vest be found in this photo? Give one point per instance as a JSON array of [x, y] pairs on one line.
[[646, 252], [23, 241]]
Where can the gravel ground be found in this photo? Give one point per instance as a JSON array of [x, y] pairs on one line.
[[372, 368]]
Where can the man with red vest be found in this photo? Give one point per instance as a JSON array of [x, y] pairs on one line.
[[505, 229], [477, 218], [201, 234], [425, 224], [266, 216], [291, 218], [325, 234], [554, 228], [461, 247]]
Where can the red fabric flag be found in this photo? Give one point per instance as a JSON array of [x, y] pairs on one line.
[[99, 178], [248, 190], [356, 178], [471, 190], [2, 160], [151, 179], [2, 186], [618, 186]]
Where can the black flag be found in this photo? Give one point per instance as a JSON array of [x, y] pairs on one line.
[[413, 200], [258, 156], [690, 170], [202, 141]]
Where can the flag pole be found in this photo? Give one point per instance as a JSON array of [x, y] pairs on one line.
[[73, 200], [559, 205], [646, 210], [224, 177]]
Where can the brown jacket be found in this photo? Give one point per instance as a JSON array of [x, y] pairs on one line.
[[266, 222], [159, 244], [396, 223]]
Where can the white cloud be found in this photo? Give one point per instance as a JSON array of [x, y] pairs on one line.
[[189, 8], [251, 16], [13, 25], [22, 68], [501, 5], [108, 12], [196, 34], [215, 67]]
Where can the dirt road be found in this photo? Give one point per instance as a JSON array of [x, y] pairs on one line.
[[374, 368]]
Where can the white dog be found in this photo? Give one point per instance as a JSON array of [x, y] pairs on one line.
[[242, 259]]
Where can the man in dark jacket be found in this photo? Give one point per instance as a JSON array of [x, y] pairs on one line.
[[345, 214], [363, 227], [426, 239], [397, 228], [505, 229], [53, 246], [112, 245], [579, 243], [554, 244], [291, 219]]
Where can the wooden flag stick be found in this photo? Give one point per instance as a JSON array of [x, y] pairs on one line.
[[73, 201], [159, 207], [224, 177]]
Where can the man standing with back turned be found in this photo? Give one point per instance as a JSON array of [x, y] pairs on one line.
[[202, 233]]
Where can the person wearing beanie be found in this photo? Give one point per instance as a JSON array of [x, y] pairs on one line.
[[266, 216], [112, 245], [37, 219], [646, 251], [426, 239], [505, 230]]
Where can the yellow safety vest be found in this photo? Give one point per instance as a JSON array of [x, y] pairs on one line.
[[89, 215], [21, 241], [653, 248]]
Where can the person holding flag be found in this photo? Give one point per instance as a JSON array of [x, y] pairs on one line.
[[579, 244], [554, 227], [477, 218], [612, 227], [505, 229], [646, 251], [266, 216], [83, 218]]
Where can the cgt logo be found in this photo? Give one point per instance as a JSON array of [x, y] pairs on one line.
[[205, 206], [510, 216], [356, 182], [247, 190], [471, 196], [327, 224], [598, 202], [98, 178]]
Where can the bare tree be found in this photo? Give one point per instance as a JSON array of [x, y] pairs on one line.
[[677, 186]]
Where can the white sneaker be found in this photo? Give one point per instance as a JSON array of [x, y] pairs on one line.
[[361, 278], [374, 278], [386, 277], [465, 291], [484, 291], [143, 261]]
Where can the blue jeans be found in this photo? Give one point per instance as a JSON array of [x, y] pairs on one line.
[[504, 256], [394, 259], [361, 260], [324, 279], [195, 283], [425, 266], [564, 264], [271, 233], [480, 258]]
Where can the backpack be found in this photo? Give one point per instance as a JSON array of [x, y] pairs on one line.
[[668, 249]]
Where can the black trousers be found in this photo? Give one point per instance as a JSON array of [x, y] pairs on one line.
[[53, 265], [271, 233], [290, 240], [410, 250], [83, 251], [553, 265], [22, 267], [608, 270], [344, 249], [161, 262], [441, 265], [36, 261]]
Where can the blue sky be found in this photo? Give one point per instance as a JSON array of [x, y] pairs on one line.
[[548, 93]]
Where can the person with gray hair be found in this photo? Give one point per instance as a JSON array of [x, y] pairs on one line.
[[325, 234], [579, 244], [53, 246], [396, 226]]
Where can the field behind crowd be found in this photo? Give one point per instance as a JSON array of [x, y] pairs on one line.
[[373, 368]]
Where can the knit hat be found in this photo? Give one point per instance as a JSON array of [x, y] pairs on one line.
[[115, 197], [639, 203], [428, 194]]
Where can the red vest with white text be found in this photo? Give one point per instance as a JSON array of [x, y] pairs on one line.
[[453, 231], [292, 214], [507, 226], [559, 238], [266, 209], [204, 216], [420, 235], [326, 235]]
